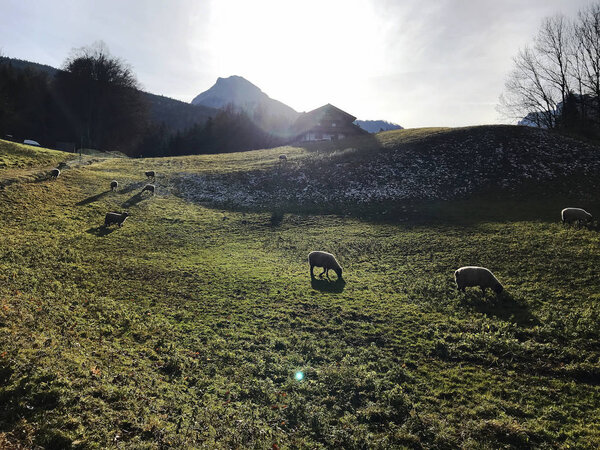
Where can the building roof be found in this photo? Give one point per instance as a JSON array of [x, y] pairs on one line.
[[312, 120]]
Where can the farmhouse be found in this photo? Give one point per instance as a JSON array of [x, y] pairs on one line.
[[325, 123]]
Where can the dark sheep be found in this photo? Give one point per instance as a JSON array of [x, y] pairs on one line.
[[578, 215], [149, 188], [114, 184], [150, 173], [115, 218], [54, 173], [326, 261]]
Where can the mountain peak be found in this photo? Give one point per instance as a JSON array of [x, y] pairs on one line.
[[234, 90], [243, 95]]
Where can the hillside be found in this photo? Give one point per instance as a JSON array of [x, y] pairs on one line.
[[175, 114], [400, 167], [188, 326], [375, 126]]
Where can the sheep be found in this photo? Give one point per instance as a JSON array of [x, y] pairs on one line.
[[326, 261], [575, 214], [282, 158], [115, 217], [150, 174], [477, 276], [149, 188], [54, 173], [114, 184]]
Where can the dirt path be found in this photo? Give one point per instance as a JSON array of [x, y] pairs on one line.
[[35, 174]]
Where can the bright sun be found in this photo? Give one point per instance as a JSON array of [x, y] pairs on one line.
[[305, 54]]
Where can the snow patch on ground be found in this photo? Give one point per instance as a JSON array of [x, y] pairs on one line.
[[442, 169]]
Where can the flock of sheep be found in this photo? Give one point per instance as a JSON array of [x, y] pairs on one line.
[[117, 218], [468, 276]]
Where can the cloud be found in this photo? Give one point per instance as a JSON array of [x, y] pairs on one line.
[[413, 62]]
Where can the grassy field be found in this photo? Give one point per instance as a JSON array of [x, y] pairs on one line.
[[187, 326]]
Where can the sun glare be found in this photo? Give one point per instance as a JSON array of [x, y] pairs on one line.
[[303, 54]]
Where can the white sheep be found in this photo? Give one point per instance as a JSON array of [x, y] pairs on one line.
[[326, 261], [476, 276], [575, 214], [114, 184], [149, 188], [115, 217], [54, 173]]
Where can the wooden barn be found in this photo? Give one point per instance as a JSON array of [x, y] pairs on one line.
[[326, 123]]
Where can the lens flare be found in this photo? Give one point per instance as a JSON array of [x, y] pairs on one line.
[[299, 376]]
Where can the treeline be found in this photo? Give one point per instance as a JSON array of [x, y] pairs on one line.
[[555, 82], [228, 131], [95, 102]]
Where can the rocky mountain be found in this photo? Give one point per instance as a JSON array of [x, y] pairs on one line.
[[271, 115], [375, 126]]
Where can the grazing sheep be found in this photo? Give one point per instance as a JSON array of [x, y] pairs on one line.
[[476, 276], [149, 188], [114, 184], [575, 214], [282, 158], [115, 217], [150, 173], [54, 173], [326, 261]]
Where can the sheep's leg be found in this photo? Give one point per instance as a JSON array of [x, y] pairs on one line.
[[312, 273], [327, 272], [322, 273]]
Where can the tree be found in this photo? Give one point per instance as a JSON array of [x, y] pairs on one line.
[[24, 103], [559, 74], [527, 92], [587, 32], [101, 99]]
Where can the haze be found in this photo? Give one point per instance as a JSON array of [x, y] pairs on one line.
[[411, 62]]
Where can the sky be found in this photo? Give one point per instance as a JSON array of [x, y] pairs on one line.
[[413, 62]]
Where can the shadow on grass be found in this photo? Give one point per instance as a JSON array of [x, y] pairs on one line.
[[326, 285], [137, 198], [132, 187], [93, 198], [504, 307], [100, 231], [276, 218]]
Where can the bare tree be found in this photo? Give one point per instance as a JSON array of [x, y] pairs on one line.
[[528, 94], [545, 74], [588, 36], [552, 47]]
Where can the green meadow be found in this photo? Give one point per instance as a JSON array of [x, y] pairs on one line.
[[189, 326]]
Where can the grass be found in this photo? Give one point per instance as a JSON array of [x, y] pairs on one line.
[[20, 156], [186, 327]]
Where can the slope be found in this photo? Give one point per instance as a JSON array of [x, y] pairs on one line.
[[186, 327], [392, 169]]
